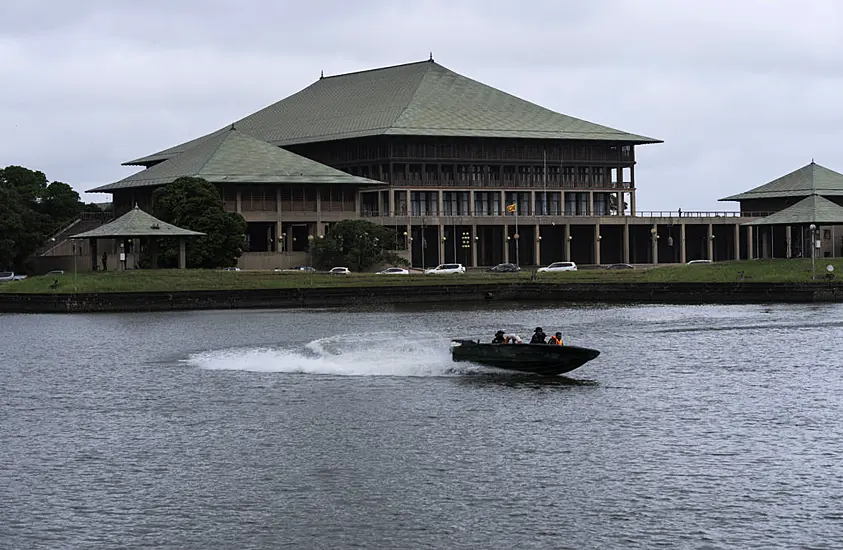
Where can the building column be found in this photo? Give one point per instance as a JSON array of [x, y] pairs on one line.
[[632, 203], [750, 251], [503, 203], [710, 233], [474, 244], [409, 206], [279, 246], [538, 242], [505, 244], [92, 244], [654, 238], [683, 255], [182, 254], [738, 242], [238, 202], [380, 204], [787, 235], [567, 239], [440, 236], [597, 238], [441, 205], [626, 242], [532, 204], [471, 209], [591, 203]]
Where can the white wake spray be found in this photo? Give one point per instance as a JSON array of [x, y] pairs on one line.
[[369, 354]]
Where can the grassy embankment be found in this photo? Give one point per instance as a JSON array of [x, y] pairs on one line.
[[756, 271]]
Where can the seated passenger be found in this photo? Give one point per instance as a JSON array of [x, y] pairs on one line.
[[498, 339], [539, 337], [513, 339], [556, 339]]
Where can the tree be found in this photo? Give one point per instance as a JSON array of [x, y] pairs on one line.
[[22, 226], [61, 204], [357, 244], [193, 203]]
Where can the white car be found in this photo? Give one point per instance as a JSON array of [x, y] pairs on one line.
[[339, 271], [556, 267], [446, 269], [393, 271]]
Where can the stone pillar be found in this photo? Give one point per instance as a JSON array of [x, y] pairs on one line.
[[279, 223], [532, 205], [626, 242], [683, 257], [654, 238], [471, 209], [597, 238], [538, 249], [473, 243], [750, 250], [505, 244], [92, 244], [567, 239], [632, 203], [380, 205], [182, 254], [238, 202], [440, 204], [710, 242], [591, 203], [409, 206], [440, 234], [738, 242], [787, 236]]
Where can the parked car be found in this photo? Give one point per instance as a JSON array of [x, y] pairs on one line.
[[692, 262], [7, 276], [446, 269], [620, 266], [339, 271], [231, 269], [557, 267], [393, 271], [297, 269], [504, 268]]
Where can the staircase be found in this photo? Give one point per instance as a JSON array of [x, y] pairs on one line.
[[58, 243]]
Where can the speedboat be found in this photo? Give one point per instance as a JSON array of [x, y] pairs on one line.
[[545, 359]]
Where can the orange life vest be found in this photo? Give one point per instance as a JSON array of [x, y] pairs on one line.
[[555, 340]]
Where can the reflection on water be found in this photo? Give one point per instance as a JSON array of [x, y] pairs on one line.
[[698, 426]]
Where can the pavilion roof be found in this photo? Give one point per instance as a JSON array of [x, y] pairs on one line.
[[232, 156], [810, 179], [136, 223], [414, 99], [813, 209]]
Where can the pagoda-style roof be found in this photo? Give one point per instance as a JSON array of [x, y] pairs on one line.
[[813, 209], [808, 180], [231, 156], [415, 99], [136, 223]]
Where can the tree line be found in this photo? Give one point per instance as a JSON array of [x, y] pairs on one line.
[[31, 210]]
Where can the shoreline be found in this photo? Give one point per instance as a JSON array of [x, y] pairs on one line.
[[369, 296]]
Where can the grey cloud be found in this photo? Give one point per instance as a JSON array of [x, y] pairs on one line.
[[741, 92]]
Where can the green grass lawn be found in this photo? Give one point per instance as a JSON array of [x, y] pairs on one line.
[[755, 271]]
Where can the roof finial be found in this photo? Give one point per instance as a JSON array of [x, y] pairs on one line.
[[321, 74], [431, 57], [812, 160], [136, 206], [232, 127]]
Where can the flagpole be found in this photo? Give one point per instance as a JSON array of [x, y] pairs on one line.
[[517, 236]]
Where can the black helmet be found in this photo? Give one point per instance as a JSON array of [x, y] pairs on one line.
[[539, 329], [498, 333], [558, 334]]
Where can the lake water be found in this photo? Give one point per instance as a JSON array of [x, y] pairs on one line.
[[697, 427]]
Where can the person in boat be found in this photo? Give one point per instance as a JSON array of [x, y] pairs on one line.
[[539, 337], [503, 338], [556, 339]]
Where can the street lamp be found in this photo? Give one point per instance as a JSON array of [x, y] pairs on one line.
[[813, 229]]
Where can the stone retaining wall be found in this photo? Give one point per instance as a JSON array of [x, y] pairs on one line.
[[628, 293]]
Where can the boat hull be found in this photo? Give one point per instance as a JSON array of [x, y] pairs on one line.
[[544, 359]]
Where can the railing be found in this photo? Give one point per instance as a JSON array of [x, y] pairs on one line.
[[642, 214]]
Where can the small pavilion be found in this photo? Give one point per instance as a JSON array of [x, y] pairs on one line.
[[809, 214], [137, 224]]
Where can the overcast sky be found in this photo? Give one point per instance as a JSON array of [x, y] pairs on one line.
[[741, 91]]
